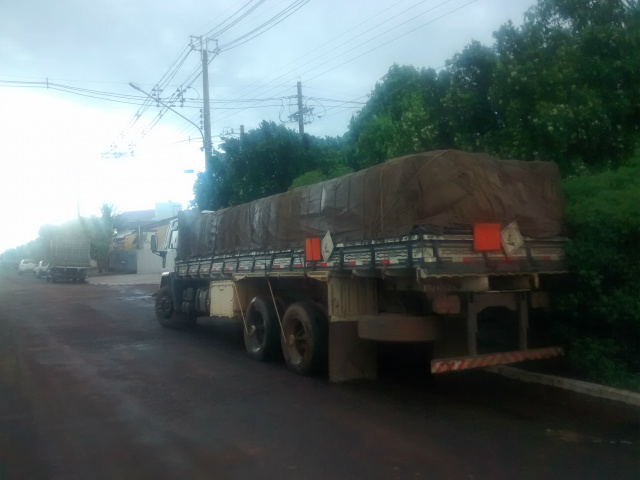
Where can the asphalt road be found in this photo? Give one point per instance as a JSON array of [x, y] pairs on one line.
[[91, 387]]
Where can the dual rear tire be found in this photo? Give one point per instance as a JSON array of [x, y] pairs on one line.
[[300, 334], [302, 338], [261, 329]]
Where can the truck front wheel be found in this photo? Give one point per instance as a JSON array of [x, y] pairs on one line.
[[262, 331], [167, 314], [304, 344]]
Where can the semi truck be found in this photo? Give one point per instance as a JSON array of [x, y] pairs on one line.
[[426, 249], [69, 258]]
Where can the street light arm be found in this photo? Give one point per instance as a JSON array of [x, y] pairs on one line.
[[157, 99]]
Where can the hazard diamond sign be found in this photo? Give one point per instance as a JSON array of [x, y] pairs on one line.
[[511, 238], [327, 246]]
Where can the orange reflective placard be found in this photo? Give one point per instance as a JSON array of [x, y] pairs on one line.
[[312, 249], [486, 237]]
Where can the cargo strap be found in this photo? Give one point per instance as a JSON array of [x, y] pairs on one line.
[[275, 305], [244, 322]]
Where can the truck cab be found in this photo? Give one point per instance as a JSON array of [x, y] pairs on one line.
[[166, 246]]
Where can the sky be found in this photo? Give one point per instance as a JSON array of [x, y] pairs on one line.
[[74, 134]]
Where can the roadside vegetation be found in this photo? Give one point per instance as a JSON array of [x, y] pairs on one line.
[[599, 317]]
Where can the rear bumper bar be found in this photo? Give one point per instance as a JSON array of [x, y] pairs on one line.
[[465, 363]]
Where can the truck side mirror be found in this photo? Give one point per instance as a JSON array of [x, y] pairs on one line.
[[154, 243]]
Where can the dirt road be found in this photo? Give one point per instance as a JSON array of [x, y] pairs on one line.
[[91, 387]]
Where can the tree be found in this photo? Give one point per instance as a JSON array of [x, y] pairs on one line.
[[100, 231], [599, 318], [566, 84], [468, 105], [212, 188], [264, 162], [403, 115]]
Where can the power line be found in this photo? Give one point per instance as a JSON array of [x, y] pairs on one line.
[[214, 32], [344, 109], [334, 100], [116, 97], [396, 38], [287, 12], [308, 53], [372, 49], [344, 43]]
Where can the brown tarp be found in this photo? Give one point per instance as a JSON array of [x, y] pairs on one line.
[[428, 192]]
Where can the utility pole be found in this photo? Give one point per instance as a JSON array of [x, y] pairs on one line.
[[156, 98], [300, 112], [205, 95]]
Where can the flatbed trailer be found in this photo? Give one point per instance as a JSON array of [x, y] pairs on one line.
[[329, 301]]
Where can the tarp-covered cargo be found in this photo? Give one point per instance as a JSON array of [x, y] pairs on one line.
[[428, 192]]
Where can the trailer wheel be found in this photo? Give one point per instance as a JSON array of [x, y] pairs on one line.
[[262, 330], [166, 313], [304, 344]]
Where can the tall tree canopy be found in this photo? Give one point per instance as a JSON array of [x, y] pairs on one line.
[[266, 161], [566, 84], [563, 87]]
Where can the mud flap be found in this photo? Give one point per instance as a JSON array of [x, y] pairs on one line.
[[350, 357]]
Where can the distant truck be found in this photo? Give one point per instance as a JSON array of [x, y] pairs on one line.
[[69, 259], [416, 250]]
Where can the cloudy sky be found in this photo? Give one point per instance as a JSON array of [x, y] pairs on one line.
[[75, 134]]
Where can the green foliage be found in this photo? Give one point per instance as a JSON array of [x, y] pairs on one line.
[[212, 190], [598, 360], [317, 176], [565, 85], [100, 231], [338, 170], [467, 102], [264, 162], [309, 178], [601, 313], [404, 115], [267, 161], [561, 87]]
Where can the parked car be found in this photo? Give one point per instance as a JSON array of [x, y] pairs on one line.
[[42, 270], [27, 265]]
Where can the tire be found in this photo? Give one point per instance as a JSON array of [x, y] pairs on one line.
[[262, 331], [304, 344], [166, 313]]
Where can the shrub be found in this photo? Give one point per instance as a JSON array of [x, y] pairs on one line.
[[599, 319]]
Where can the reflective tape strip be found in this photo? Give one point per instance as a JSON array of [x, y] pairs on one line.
[[466, 363]]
